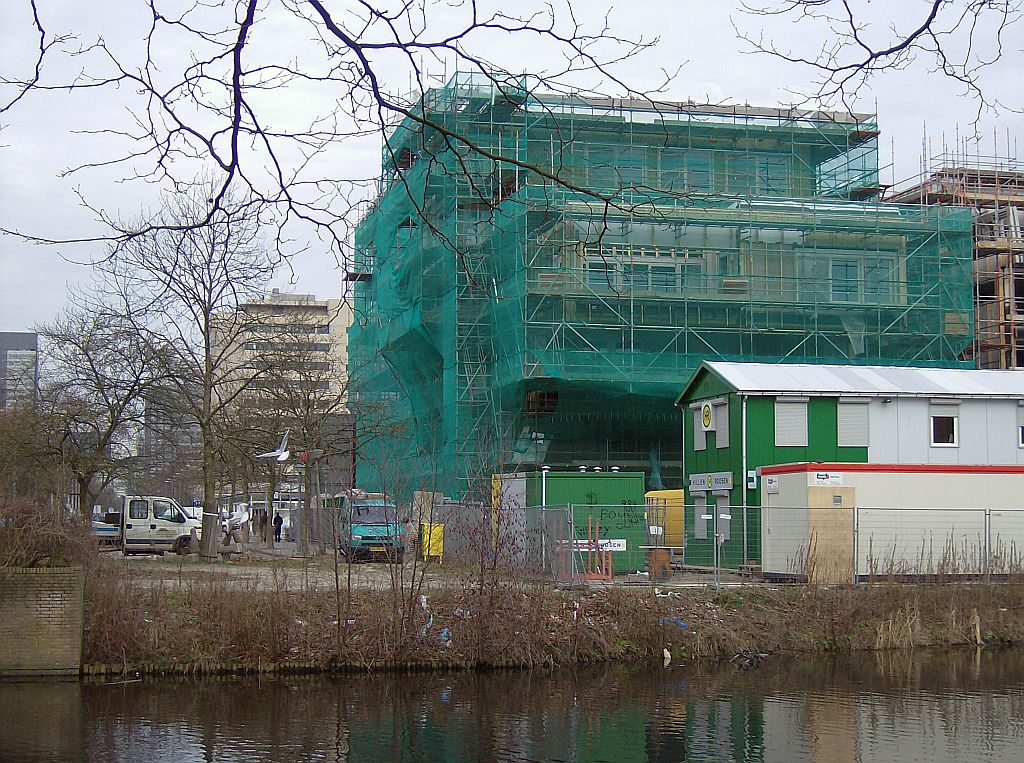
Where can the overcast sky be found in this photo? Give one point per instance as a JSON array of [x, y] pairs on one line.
[[42, 136]]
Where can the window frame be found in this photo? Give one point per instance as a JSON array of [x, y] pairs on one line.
[[138, 503], [955, 433]]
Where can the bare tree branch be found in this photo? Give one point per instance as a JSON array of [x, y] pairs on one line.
[[958, 39]]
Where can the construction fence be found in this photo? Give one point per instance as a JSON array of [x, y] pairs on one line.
[[864, 543], [567, 544]]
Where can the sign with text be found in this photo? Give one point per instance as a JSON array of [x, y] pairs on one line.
[[603, 544], [710, 482], [816, 478]]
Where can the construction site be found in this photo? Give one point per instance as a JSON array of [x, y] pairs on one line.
[[994, 188], [541, 274]]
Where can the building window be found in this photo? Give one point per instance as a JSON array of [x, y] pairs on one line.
[[1020, 436], [699, 435], [852, 420], [944, 431], [540, 402], [791, 423], [600, 275], [844, 280], [721, 423]]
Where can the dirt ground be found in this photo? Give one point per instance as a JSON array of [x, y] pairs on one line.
[[266, 569], [280, 568]]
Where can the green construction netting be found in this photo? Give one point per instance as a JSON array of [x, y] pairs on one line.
[[505, 319]]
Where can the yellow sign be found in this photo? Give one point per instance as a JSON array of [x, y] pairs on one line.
[[707, 417]]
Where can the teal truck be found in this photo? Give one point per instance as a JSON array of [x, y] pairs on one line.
[[369, 527]]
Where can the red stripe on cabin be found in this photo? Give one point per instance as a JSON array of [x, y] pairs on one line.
[[905, 468]]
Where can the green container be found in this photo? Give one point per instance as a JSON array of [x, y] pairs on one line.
[[613, 500]]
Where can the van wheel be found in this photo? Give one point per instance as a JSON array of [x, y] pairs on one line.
[[183, 546]]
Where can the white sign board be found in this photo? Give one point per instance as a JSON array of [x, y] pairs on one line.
[[771, 484], [603, 544], [710, 481], [817, 478]]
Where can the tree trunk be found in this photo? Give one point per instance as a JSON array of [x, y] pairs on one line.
[[211, 519], [84, 496], [306, 514]]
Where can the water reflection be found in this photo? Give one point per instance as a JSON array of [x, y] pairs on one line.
[[892, 707]]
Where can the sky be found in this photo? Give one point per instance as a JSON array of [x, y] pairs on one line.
[[921, 113]]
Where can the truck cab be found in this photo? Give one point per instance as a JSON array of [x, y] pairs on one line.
[[369, 527], [154, 524]]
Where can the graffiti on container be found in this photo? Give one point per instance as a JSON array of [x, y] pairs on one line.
[[619, 517]]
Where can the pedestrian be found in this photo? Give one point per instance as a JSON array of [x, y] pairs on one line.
[[278, 522], [263, 525]]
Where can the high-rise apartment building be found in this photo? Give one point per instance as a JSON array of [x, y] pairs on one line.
[[19, 366]]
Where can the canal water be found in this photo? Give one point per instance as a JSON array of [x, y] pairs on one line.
[[935, 707]]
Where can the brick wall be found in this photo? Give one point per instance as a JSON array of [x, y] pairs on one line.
[[41, 620]]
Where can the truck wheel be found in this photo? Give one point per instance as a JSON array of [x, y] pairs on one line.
[[183, 546]]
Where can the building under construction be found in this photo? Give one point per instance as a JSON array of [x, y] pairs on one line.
[[994, 188], [540, 274]]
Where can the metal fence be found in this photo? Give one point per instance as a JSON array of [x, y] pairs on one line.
[[563, 544], [864, 543]]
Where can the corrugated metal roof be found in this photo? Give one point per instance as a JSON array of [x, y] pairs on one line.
[[809, 379]]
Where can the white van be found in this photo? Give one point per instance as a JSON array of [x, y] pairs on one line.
[[154, 524]]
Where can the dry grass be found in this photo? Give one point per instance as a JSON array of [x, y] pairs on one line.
[[210, 624]]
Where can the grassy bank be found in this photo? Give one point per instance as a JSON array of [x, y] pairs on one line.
[[209, 625]]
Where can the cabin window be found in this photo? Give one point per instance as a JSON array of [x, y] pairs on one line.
[[944, 431]]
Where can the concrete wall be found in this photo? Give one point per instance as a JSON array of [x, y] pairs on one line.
[[41, 620]]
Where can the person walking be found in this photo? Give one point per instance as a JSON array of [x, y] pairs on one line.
[[278, 523]]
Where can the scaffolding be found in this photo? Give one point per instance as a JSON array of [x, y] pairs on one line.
[[540, 274], [994, 189]]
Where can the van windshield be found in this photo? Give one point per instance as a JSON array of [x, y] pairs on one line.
[[374, 512]]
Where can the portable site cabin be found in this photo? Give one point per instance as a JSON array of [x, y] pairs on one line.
[[743, 421], [843, 522]]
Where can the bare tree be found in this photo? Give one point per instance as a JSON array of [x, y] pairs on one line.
[[180, 285], [847, 42], [98, 369], [206, 85]]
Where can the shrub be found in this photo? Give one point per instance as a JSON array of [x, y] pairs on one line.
[[33, 534]]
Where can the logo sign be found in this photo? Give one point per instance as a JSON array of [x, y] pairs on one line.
[[824, 478], [771, 484], [707, 417], [710, 481]]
